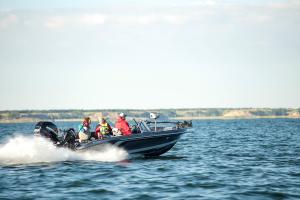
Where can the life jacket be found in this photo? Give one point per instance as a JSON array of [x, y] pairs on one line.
[[104, 129]]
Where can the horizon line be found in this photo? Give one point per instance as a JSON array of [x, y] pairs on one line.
[[144, 109]]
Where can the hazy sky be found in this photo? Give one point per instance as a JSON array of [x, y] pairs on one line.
[[149, 54]]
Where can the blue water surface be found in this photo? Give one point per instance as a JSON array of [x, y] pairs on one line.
[[219, 159]]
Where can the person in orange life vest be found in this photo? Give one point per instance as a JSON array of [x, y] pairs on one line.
[[123, 125], [102, 129]]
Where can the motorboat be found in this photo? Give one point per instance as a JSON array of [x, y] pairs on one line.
[[150, 138]]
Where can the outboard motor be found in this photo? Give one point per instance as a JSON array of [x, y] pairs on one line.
[[69, 138], [50, 130], [47, 130]]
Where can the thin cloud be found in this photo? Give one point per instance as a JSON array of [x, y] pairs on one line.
[[93, 19], [176, 19], [100, 19], [134, 19], [195, 11], [55, 22], [197, 3], [285, 5], [8, 20]]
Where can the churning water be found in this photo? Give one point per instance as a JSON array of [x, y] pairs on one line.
[[219, 159], [26, 150]]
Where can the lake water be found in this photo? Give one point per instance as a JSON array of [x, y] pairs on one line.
[[219, 159]]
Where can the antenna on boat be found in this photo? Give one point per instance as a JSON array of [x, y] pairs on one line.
[[154, 116]]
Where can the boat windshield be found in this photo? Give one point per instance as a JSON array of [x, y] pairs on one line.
[[144, 127]]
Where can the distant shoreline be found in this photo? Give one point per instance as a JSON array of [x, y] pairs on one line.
[[17, 121], [24, 116]]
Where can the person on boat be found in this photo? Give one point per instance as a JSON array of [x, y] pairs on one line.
[[102, 129], [123, 125], [84, 129]]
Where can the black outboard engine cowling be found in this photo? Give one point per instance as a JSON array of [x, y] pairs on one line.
[[69, 138], [50, 131], [47, 130]]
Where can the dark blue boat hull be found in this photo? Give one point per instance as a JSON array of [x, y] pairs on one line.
[[148, 144]]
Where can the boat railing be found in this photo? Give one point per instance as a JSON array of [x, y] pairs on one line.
[[178, 124], [142, 126], [156, 126]]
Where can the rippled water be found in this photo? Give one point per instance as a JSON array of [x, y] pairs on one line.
[[220, 159]]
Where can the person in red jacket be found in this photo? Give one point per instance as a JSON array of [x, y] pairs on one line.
[[123, 125]]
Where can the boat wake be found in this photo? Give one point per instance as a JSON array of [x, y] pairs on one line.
[[29, 149]]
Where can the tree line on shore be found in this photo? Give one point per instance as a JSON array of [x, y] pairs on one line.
[[193, 113]]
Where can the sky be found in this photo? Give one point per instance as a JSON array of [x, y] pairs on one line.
[[149, 54]]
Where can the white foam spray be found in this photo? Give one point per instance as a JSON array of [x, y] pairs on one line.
[[24, 150]]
